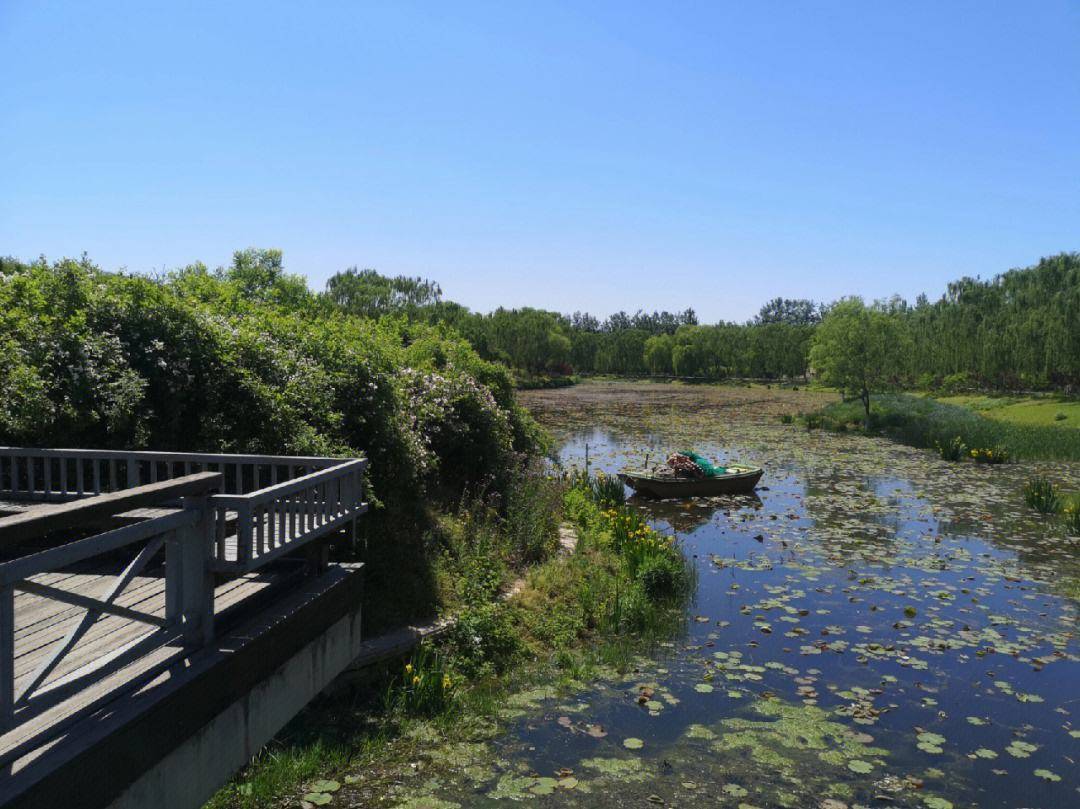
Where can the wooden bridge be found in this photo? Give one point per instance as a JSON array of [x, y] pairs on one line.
[[144, 595]]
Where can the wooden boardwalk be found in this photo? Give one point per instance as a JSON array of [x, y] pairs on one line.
[[122, 575], [42, 624]]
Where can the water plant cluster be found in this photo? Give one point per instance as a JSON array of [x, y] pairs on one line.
[[1040, 494]]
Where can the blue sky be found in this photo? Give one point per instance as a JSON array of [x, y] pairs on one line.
[[596, 156]]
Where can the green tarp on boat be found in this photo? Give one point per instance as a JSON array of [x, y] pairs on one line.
[[704, 464]]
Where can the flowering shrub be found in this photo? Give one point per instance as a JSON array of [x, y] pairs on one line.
[[650, 557], [990, 455], [465, 436], [952, 450], [426, 686], [246, 359], [1071, 517]]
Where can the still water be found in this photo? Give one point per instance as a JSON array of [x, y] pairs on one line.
[[875, 628]]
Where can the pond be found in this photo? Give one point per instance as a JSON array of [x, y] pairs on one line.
[[876, 627]]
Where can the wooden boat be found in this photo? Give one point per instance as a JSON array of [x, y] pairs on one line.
[[737, 480]]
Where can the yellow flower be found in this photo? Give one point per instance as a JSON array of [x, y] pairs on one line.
[[446, 681], [415, 680], [408, 668]]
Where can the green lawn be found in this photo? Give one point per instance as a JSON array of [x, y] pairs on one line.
[[1044, 411]]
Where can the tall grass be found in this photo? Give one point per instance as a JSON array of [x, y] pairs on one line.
[[924, 422]]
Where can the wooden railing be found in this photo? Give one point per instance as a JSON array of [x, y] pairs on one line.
[[184, 535], [268, 505], [64, 474], [271, 521], [210, 513]]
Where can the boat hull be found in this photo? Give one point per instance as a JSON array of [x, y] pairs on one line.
[[667, 488]]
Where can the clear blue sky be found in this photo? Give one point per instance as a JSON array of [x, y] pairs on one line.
[[597, 156]]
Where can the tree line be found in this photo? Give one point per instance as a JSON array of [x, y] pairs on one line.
[[1019, 330]]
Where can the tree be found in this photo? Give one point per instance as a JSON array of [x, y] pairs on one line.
[[369, 294], [795, 312], [859, 349]]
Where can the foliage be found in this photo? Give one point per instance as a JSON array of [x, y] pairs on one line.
[[1012, 332], [485, 639], [952, 450], [859, 349], [1041, 494], [366, 293], [246, 359]]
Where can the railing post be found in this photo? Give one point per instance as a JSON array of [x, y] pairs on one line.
[[189, 581], [243, 534], [7, 655], [132, 471]]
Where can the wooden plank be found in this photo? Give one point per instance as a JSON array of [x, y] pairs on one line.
[[88, 603], [229, 596], [7, 655]]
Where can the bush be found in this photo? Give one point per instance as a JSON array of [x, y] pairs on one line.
[[787, 418], [1041, 495], [247, 359], [953, 450], [661, 576], [955, 383], [485, 639]]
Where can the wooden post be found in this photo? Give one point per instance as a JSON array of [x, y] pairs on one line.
[[7, 656], [189, 579]]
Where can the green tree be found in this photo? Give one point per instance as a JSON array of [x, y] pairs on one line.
[[859, 349], [369, 294]]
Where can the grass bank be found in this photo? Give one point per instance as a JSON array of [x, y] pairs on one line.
[[1046, 411], [576, 616], [925, 422]]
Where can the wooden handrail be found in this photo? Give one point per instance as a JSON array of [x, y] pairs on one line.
[[46, 518], [81, 549], [290, 486], [150, 455]]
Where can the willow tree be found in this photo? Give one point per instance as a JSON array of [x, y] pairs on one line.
[[859, 349]]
